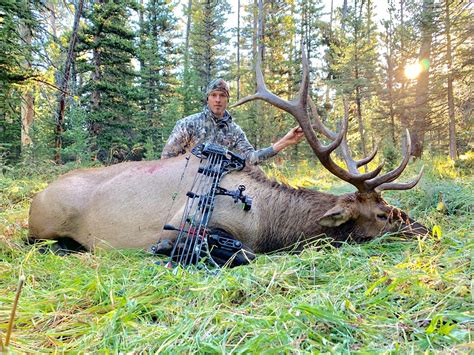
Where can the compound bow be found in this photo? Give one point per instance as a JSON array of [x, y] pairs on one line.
[[195, 242]]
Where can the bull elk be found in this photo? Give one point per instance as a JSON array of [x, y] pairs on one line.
[[126, 205]]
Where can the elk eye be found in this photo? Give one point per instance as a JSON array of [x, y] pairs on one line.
[[382, 216]]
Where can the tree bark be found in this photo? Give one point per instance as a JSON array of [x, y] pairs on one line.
[[187, 105], [188, 31], [357, 88], [208, 65], [255, 30], [27, 100], [95, 128], [238, 49], [327, 103], [344, 15], [261, 49], [64, 85], [141, 25], [390, 77], [422, 86], [254, 132], [453, 154]]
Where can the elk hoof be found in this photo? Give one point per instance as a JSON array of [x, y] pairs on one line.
[[163, 247]]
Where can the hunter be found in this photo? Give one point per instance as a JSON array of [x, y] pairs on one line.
[[215, 124]]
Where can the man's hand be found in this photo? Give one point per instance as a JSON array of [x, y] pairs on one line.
[[294, 136]]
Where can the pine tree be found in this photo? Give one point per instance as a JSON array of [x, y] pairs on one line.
[[69, 62], [354, 67], [157, 61], [18, 21], [106, 49], [448, 85], [421, 121], [281, 65], [208, 49]]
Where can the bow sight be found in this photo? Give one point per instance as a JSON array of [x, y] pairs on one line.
[[195, 242]]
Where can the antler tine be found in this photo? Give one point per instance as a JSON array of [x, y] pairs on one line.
[[323, 153], [318, 124], [352, 164], [298, 109], [295, 107], [304, 87], [263, 93], [395, 173], [400, 186], [368, 159]]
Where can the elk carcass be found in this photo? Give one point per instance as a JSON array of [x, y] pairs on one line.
[[126, 205]]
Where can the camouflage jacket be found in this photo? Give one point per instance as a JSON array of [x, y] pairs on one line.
[[204, 127]]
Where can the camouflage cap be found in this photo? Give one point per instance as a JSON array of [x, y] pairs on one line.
[[218, 84]]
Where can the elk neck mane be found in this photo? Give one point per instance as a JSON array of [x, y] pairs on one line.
[[293, 214]]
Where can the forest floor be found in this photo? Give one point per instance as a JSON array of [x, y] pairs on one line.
[[388, 295]]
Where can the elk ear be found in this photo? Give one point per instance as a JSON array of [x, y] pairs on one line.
[[336, 216]]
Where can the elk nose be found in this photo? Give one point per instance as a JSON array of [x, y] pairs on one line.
[[413, 228]]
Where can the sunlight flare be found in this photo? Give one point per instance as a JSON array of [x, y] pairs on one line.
[[413, 70]]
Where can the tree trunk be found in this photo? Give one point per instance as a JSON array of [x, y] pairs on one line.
[[261, 31], [422, 86], [208, 65], [238, 49], [453, 154], [327, 103], [255, 30], [27, 101], [187, 105], [344, 15], [96, 127], [357, 88], [390, 77], [64, 85], [361, 124], [188, 31], [261, 49], [404, 119], [254, 132], [141, 25]]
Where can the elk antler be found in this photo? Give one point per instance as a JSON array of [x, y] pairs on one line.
[[298, 108], [380, 183], [352, 165]]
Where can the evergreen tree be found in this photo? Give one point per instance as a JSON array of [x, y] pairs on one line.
[[16, 58], [354, 68], [448, 84], [421, 120], [106, 48], [281, 66], [157, 82], [208, 49]]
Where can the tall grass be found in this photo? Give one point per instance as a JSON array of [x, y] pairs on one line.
[[389, 295]]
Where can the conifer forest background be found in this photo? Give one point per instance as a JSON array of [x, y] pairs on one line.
[[106, 80], [87, 83]]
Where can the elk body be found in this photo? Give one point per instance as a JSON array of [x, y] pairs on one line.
[[127, 205]]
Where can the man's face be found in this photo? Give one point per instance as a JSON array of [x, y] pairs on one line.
[[217, 102]]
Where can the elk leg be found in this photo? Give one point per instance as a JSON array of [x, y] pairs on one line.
[[63, 246], [163, 247]]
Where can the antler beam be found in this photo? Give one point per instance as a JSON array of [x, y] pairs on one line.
[[298, 108]]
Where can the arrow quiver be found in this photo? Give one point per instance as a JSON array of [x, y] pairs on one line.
[[195, 242]]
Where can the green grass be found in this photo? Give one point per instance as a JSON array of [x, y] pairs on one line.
[[390, 295]]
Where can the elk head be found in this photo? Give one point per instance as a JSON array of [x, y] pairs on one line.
[[363, 214]]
